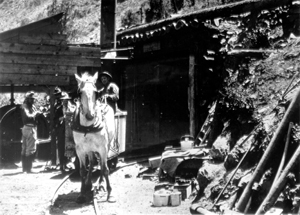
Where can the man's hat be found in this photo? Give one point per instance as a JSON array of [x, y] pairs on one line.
[[64, 95], [106, 73], [31, 94], [57, 91]]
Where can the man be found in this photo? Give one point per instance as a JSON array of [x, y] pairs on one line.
[[59, 127], [69, 144], [110, 91], [29, 131]]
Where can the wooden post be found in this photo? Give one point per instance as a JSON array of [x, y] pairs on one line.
[[276, 139], [107, 29], [52, 131], [276, 189], [192, 95], [12, 90]]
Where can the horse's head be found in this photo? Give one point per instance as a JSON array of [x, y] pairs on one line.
[[88, 89]]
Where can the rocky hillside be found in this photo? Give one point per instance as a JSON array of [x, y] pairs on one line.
[[82, 20]]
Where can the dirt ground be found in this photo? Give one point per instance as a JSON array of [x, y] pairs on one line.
[[32, 193]]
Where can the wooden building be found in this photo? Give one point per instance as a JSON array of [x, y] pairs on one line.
[[175, 72], [37, 57], [170, 80]]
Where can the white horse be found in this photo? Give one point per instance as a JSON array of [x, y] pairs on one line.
[[93, 131]]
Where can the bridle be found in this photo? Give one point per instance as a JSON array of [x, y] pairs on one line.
[[94, 88]]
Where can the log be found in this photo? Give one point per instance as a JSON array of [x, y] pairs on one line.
[[250, 52], [276, 139], [282, 162], [275, 191]]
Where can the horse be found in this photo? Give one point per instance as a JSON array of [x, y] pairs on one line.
[[93, 131]]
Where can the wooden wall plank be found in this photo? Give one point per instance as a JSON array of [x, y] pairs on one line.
[[39, 39], [37, 69], [49, 50], [49, 60], [6, 79]]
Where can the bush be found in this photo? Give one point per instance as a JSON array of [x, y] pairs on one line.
[[130, 18]]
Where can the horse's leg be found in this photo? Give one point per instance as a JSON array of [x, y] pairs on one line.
[[108, 187], [82, 161], [88, 181], [100, 187], [105, 172]]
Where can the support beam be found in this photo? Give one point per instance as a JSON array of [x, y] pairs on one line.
[[191, 93], [52, 131], [107, 30]]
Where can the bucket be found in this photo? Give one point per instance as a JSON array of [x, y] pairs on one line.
[[175, 198], [186, 142], [161, 198]]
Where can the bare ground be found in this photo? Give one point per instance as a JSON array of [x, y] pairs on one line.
[[32, 193]]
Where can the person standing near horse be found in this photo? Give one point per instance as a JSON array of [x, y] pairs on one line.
[[29, 115], [109, 92], [59, 128], [68, 112]]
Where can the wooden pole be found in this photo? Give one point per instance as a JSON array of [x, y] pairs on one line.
[[12, 91], [52, 131], [233, 174], [284, 153], [276, 140], [279, 184], [192, 95]]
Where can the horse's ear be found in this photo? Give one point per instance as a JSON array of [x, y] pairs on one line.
[[78, 79], [95, 77]]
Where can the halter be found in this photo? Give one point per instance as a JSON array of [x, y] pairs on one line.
[[81, 86]]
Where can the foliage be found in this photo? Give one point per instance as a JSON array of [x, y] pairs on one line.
[[130, 18]]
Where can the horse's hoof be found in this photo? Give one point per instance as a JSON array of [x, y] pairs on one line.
[[111, 199], [81, 199]]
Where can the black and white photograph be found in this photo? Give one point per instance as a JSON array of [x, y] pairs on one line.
[[155, 107]]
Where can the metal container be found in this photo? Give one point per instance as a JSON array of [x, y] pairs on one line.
[[175, 198], [186, 142], [161, 198]]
